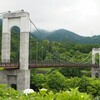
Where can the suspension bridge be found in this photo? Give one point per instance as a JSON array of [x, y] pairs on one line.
[[19, 72], [8, 64]]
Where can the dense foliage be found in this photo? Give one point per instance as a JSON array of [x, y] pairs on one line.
[[55, 81], [53, 51], [57, 88], [7, 93]]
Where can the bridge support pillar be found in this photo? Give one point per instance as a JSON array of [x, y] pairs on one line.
[[95, 72], [23, 82]]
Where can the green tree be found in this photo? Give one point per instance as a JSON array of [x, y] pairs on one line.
[[83, 84], [38, 81], [56, 81], [71, 72]]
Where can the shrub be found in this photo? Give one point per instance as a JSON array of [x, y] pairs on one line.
[[83, 84], [74, 94], [72, 82], [38, 80], [56, 81], [8, 93]]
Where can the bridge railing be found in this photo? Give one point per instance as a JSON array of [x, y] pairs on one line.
[[59, 64], [9, 65], [15, 65]]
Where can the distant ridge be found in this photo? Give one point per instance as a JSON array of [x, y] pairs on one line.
[[62, 35]]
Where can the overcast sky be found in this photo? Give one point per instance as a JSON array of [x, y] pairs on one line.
[[79, 16]]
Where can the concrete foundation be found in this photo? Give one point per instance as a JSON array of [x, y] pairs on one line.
[[21, 78]]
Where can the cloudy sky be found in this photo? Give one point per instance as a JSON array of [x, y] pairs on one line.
[[79, 16]]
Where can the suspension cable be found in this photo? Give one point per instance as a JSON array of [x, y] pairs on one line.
[[88, 61], [36, 41], [86, 58], [54, 56], [35, 26], [51, 53]]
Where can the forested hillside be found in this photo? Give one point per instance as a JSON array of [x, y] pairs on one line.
[[63, 35]]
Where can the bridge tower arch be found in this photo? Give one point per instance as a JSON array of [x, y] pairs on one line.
[[21, 76], [95, 72]]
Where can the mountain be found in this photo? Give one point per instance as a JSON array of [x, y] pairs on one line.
[[63, 35], [40, 34]]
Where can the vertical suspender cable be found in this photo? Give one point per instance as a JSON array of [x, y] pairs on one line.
[[30, 44], [36, 52]]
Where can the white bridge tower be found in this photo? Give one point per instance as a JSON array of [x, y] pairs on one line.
[[20, 77]]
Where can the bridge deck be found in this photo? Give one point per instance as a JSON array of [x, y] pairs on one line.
[[47, 65]]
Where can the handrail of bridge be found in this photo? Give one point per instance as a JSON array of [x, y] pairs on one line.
[[8, 65], [48, 65]]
